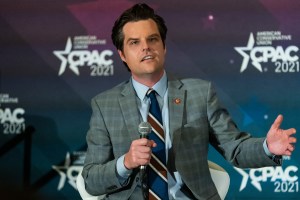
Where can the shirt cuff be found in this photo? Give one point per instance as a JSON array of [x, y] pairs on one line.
[[122, 171], [267, 149], [277, 159]]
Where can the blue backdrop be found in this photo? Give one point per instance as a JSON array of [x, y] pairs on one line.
[[56, 55]]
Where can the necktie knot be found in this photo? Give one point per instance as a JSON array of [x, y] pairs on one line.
[[151, 93]]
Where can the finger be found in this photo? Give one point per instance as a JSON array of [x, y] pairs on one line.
[[291, 148], [290, 131], [287, 153], [144, 158], [292, 140], [145, 149], [145, 155], [144, 161], [142, 142], [277, 122]]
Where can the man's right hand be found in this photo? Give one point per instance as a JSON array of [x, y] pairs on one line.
[[139, 153]]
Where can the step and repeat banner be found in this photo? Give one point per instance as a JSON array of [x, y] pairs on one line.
[[55, 55]]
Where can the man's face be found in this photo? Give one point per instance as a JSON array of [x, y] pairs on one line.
[[143, 50]]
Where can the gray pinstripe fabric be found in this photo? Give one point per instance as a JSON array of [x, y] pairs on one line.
[[194, 123]]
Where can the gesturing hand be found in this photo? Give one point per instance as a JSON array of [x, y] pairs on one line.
[[279, 141]]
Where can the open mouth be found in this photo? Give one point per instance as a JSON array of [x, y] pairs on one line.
[[148, 57]]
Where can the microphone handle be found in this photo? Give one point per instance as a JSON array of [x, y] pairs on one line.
[[143, 167]]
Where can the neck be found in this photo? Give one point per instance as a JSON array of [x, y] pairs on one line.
[[148, 80]]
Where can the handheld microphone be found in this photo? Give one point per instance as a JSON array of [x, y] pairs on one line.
[[144, 130]]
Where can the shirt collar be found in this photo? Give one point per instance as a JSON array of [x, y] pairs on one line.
[[160, 87]]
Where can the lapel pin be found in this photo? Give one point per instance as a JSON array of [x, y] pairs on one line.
[[177, 101]]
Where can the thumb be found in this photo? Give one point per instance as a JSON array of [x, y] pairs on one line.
[[277, 122], [153, 143]]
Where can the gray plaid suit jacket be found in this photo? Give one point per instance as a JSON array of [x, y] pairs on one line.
[[199, 119]]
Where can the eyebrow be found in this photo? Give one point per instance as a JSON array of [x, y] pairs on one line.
[[130, 39], [152, 35]]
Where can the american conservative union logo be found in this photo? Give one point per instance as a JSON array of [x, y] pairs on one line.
[[271, 51], [82, 53], [12, 119], [285, 180]]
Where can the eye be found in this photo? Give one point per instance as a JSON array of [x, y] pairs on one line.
[[153, 39], [134, 42]]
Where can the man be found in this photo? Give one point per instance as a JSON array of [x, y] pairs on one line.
[[192, 117]]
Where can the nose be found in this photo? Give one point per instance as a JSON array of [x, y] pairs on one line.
[[146, 49], [145, 46]]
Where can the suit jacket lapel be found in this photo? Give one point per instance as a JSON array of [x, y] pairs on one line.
[[129, 109], [176, 100], [176, 108]]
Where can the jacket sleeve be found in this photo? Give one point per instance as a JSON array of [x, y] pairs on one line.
[[99, 171], [239, 148]]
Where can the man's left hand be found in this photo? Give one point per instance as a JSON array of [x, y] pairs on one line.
[[279, 141]]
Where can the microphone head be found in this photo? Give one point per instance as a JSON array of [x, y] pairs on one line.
[[144, 128]]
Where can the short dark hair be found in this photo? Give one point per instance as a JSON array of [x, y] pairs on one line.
[[136, 13]]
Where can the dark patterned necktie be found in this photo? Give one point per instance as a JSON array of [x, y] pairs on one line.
[[157, 170]]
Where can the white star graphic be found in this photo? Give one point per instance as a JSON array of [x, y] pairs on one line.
[[62, 55], [249, 47], [61, 170], [255, 183]]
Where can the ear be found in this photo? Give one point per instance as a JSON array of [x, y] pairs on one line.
[[122, 56]]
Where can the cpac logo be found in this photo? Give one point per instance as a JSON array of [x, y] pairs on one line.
[[260, 54], [80, 58], [7, 115], [69, 171], [263, 174]]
